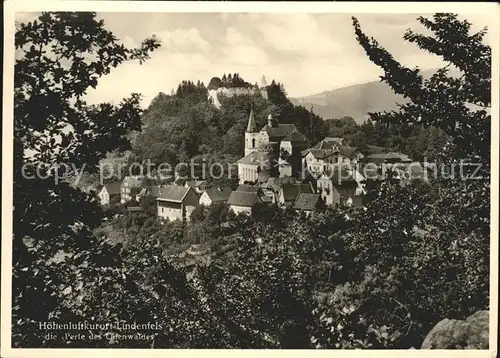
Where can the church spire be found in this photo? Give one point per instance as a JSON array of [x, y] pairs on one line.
[[252, 126]]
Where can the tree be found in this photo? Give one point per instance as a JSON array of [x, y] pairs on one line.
[[62, 55], [440, 255]]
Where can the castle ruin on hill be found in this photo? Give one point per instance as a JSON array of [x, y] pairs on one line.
[[216, 88]]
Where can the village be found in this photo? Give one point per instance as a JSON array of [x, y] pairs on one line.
[[279, 167]]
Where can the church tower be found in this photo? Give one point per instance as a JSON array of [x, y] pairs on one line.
[[251, 135]]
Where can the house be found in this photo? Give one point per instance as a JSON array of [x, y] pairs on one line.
[[307, 202], [110, 193], [243, 201], [215, 195], [176, 202], [327, 152], [288, 193], [248, 168], [130, 186], [266, 196], [198, 185], [336, 185]]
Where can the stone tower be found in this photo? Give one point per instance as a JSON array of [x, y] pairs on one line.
[[263, 87], [251, 135]]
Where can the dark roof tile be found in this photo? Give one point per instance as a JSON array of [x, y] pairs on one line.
[[219, 193], [173, 193], [241, 198], [307, 201]]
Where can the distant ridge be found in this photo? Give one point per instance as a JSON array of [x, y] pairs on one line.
[[356, 100]]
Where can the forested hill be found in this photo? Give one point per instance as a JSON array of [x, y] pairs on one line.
[[186, 124], [358, 100]]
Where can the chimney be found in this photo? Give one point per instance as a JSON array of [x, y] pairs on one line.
[[270, 120]]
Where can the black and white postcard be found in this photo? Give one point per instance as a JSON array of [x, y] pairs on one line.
[[249, 175]]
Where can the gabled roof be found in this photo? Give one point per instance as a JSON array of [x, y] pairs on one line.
[[321, 153], [347, 151], [174, 193], [290, 191], [113, 188], [390, 156], [249, 189], [241, 198], [280, 131], [306, 201], [276, 183], [252, 125], [252, 158], [295, 137], [219, 193]]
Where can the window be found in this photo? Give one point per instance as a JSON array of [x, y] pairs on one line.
[[253, 142]]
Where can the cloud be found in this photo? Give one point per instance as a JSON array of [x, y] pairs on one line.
[[233, 37], [241, 50], [308, 53], [245, 56], [298, 34], [180, 40]]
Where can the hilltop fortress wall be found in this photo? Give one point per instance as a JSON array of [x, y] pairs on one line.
[[214, 94]]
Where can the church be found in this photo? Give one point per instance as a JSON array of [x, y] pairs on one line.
[[273, 151]]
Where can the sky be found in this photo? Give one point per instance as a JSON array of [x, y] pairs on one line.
[[308, 53]]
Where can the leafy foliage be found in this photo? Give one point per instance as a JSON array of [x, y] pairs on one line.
[[61, 55], [376, 277]]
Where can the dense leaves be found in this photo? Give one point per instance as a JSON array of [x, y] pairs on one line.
[[57, 136], [376, 277]]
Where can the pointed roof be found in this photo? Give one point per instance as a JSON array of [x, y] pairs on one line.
[[263, 82], [241, 198], [173, 193], [307, 201], [113, 188], [291, 191], [252, 126], [252, 158], [219, 193]]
